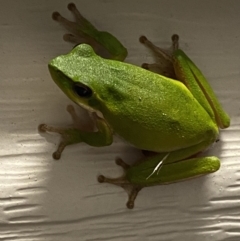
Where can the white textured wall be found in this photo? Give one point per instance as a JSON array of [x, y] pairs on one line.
[[41, 199]]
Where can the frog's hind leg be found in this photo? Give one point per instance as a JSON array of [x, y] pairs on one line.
[[131, 189], [163, 58]]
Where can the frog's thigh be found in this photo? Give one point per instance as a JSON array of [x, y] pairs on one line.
[[146, 173]]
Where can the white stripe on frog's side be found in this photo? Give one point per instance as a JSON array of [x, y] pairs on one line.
[[158, 167]]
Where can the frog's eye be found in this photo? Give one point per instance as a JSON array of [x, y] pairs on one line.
[[82, 90]]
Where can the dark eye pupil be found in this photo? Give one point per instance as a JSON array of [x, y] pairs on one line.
[[82, 91]]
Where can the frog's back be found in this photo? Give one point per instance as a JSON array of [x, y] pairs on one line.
[[144, 105]]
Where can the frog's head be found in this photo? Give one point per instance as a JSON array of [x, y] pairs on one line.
[[78, 75]]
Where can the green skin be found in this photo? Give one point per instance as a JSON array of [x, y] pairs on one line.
[[176, 119]]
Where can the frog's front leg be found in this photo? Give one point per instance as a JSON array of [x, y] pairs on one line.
[[74, 135], [82, 31]]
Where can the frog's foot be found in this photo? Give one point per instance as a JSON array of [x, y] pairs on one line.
[[82, 31], [76, 28], [68, 135], [67, 138], [163, 57], [131, 189]]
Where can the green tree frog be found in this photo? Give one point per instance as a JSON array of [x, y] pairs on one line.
[[170, 111]]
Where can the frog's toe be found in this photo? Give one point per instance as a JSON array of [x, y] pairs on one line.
[[71, 7], [42, 128], [56, 16], [122, 164], [57, 154], [73, 39], [47, 128], [132, 195], [78, 16], [175, 41]]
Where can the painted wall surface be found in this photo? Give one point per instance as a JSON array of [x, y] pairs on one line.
[[42, 199]]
